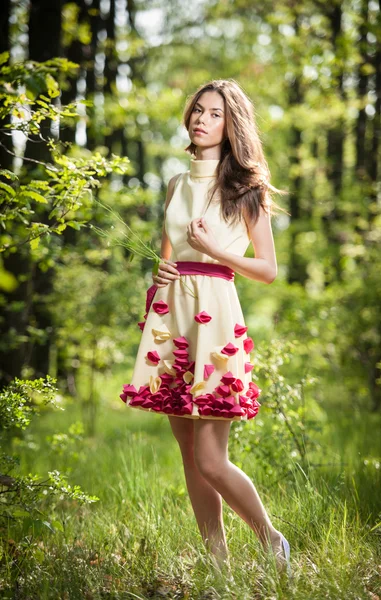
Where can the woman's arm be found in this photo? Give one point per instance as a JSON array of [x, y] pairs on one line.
[[261, 268], [166, 247], [264, 266]]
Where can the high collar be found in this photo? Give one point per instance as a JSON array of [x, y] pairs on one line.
[[203, 168]]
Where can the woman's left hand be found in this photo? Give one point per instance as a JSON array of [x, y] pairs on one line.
[[201, 237]]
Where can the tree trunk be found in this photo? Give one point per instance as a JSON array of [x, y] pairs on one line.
[[296, 266], [335, 158], [44, 44]]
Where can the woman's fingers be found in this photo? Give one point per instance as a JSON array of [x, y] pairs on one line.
[[166, 273], [169, 267]]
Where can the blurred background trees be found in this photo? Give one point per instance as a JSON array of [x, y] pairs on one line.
[[70, 305], [91, 100]]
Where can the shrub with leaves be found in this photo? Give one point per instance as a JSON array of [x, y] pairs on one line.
[[282, 435], [22, 496], [48, 200]]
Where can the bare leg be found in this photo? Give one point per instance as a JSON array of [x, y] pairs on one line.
[[211, 457], [206, 501]]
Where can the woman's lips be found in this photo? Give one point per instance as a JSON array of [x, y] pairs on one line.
[[199, 132]]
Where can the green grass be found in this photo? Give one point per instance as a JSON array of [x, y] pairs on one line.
[[141, 539]]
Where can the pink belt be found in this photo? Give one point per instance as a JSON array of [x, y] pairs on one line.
[[192, 267]]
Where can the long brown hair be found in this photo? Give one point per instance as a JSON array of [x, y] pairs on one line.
[[243, 175]]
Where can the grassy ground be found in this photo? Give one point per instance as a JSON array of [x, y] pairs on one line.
[[141, 539]]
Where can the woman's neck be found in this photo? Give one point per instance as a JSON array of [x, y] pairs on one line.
[[207, 154]]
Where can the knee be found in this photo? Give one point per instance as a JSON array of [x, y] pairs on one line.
[[211, 469]]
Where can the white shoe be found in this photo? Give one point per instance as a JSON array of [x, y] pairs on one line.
[[286, 552]]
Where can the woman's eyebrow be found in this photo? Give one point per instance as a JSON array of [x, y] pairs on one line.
[[210, 108]]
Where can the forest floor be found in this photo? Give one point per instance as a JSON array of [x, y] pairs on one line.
[[140, 540]]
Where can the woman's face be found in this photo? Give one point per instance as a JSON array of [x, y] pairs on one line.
[[208, 115]]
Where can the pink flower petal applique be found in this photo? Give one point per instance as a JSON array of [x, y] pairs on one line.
[[142, 323], [160, 307], [248, 345], [236, 411], [228, 378], [229, 402], [181, 343], [181, 353], [253, 391], [186, 397], [204, 399], [252, 411], [208, 370], [166, 378], [239, 330], [136, 401], [251, 406], [248, 367], [237, 386], [182, 361], [128, 390], [223, 390], [144, 391], [202, 317], [153, 357], [229, 349]]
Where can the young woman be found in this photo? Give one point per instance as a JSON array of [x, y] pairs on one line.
[[193, 362]]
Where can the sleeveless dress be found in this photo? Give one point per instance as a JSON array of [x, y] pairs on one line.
[[193, 359]]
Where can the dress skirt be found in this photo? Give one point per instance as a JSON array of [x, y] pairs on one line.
[[193, 360]]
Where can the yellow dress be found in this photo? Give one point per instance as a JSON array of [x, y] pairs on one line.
[[193, 359]]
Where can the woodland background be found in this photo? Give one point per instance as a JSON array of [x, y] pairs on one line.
[[91, 98]]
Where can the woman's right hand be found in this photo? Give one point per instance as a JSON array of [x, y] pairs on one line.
[[167, 272]]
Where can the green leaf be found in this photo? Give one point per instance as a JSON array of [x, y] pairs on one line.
[[4, 57], [155, 268], [74, 225], [39, 555], [48, 525], [34, 243], [8, 174], [34, 196], [7, 188], [34, 85], [58, 526], [19, 513], [52, 86]]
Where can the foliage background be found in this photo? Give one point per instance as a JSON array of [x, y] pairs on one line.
[[70, 303]]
